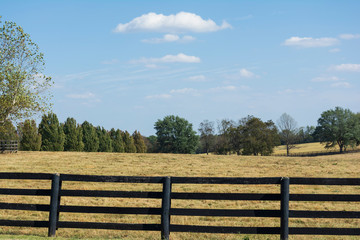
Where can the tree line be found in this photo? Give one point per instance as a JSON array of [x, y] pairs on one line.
[[51, 135], [252, 136]]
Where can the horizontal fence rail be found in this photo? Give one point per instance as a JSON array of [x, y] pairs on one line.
[[8, 146], [165, 211]]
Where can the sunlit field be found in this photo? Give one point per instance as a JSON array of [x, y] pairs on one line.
[[336, 166], [306, 148]]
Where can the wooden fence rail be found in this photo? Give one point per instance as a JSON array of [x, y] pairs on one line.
[[8, 146], [165, 211]]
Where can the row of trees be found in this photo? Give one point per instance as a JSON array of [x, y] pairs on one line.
[[51, 135], [251, 136]]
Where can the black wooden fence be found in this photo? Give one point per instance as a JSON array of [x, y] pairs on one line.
[[165, 210], [8, 146]]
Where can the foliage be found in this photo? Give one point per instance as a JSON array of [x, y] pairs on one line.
[[104, 140], [338, 127], [117, 141], [223, 141], [73, 136], [207, 135], [90, 137], [139, 142], [22, 84], [258, 137], [175, 135], [128, 140], [8, 131], [288, 131], [52, 133], [30, 137], [151, 143]]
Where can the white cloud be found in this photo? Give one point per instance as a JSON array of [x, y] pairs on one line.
[[184, 91], [197, 78], [170, 38], [326, 79], [159, 96], [246, 73], [334, 50], [349, 36], [224, 88], [180, 22], [341, 84], [180, 58], [308, 42], [347, 67]]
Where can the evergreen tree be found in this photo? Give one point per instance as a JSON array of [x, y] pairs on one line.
[[139, 142], [128, 140], [52, 133], [73, 136], [104, 140], [30, 137], [90, 138], [8, 131], [117, 141]]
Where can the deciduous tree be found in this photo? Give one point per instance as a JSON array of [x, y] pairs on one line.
[[288, 131], [339, 127], [175, 135], [22, 83], [207, 135]]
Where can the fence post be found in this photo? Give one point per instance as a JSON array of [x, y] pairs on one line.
[[54, 204], [165, 209], [284, 225]]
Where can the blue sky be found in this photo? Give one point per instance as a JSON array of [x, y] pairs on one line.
[[126, 64]]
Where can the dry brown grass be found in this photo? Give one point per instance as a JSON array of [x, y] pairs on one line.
[[342, 166]]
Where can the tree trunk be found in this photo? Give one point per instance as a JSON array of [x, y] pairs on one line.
[[287, 149]]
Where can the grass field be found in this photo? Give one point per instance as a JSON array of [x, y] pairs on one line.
[[342, 166], [306, 148]]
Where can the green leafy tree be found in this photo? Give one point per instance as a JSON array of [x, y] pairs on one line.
[[339, 127], [90, 137], [175, 135], [151, 144], [73, 136], [104, 140], [139, 142], [30, 137], [128, 140], [207, 135], [52, 133], [258, 137], [223, 140], [117, 141], [22, 84]]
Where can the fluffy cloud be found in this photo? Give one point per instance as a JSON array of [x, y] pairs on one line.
[[180, 58], [349, 36], [348, 67], [170, 38], [184, 91], [308, 42], [180, 22]]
